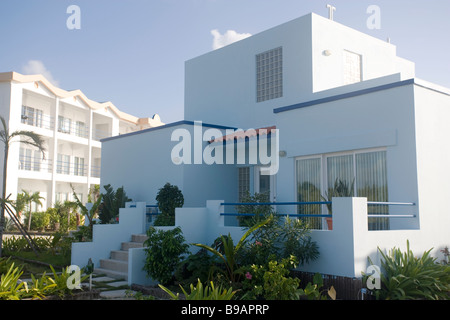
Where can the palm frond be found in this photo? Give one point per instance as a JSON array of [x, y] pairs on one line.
[[31, 138]]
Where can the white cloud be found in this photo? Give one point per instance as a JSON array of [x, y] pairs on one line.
[[222, 40], [38, 67]]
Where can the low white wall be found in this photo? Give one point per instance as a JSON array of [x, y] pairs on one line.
[[107, 237], [344, 251]]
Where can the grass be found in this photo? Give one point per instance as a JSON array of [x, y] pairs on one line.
[[32, 264]]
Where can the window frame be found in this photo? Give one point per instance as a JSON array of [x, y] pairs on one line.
[[324, 168]]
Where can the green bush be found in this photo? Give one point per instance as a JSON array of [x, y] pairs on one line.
[[168, 198], [201, 292], [112, 201], [271, 281], [39, 220], [406, 277], [164, 253], [280, 238], [261, 212], [195, 266]]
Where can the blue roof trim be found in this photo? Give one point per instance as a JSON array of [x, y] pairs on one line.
[[344, 96], [173, 124]]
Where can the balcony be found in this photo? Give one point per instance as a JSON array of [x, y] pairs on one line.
[[27, 163], [38, 119], [72, 127]]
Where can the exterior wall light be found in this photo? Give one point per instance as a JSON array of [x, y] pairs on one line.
[[327, 53]]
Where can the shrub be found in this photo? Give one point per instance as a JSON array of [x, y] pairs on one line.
[[164, 252], [271, 281], [280, 238], [168, 198], [39, 222], [406, 277], [112, 201], [261, 212], [195, 266], [201, 292]]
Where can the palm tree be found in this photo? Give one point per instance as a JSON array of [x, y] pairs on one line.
[[31, 198], [26, 137]]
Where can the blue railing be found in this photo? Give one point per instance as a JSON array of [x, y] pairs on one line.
[[371, 203], [277, 204], [374, 203]]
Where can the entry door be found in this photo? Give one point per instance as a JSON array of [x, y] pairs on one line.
[[265, 183]]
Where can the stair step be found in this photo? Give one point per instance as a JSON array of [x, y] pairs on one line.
[[131, 244], [114, 265], [119, 255], [139, 238], [112, 273], [117, 266]]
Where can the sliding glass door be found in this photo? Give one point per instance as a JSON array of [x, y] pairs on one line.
[[362, 174]]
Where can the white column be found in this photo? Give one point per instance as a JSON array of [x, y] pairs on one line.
[[54, 156]]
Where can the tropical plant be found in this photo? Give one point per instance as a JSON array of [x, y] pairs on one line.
[[260, 211], [112, 201], [164, 250], [64, 210], [201, 292], [230, 252], [406, 277], [195, 266], [26, 137], [30, 198], [340, 189], [11, 287], [314, 290], [91, 213], [279, 239], [168, 198], [271, 281], [40, 222]]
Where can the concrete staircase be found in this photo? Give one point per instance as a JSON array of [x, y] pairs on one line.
[[117, 265]]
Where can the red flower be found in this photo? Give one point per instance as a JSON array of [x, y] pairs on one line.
[[248, 275]]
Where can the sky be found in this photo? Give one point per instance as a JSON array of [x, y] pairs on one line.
[[132, 52]]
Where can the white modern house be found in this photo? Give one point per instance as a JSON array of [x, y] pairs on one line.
[[72, 126], [317, 103]]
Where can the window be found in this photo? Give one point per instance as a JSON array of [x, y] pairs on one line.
[[365, 171], [30, 160], [64, 124], [244, 182], [63, 164], [80, 129], [78, 166], [31, 116], [269, 75], [352, 67]]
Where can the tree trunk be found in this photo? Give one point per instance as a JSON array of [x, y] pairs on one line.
[[2, 216]]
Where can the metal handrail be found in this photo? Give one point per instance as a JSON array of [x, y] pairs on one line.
[[317, 203]]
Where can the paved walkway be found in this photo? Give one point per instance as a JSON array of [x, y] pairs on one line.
[[110, 288]]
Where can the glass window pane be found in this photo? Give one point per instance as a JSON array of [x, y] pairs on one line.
[[340, 169], [371, 181], [244, 182], [308, 189]]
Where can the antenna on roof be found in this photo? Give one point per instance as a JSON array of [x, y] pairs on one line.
[[331, 10]]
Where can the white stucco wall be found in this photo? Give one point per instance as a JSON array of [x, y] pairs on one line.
[[142, 164], [378, 57], [220, 86], [383, 119]]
